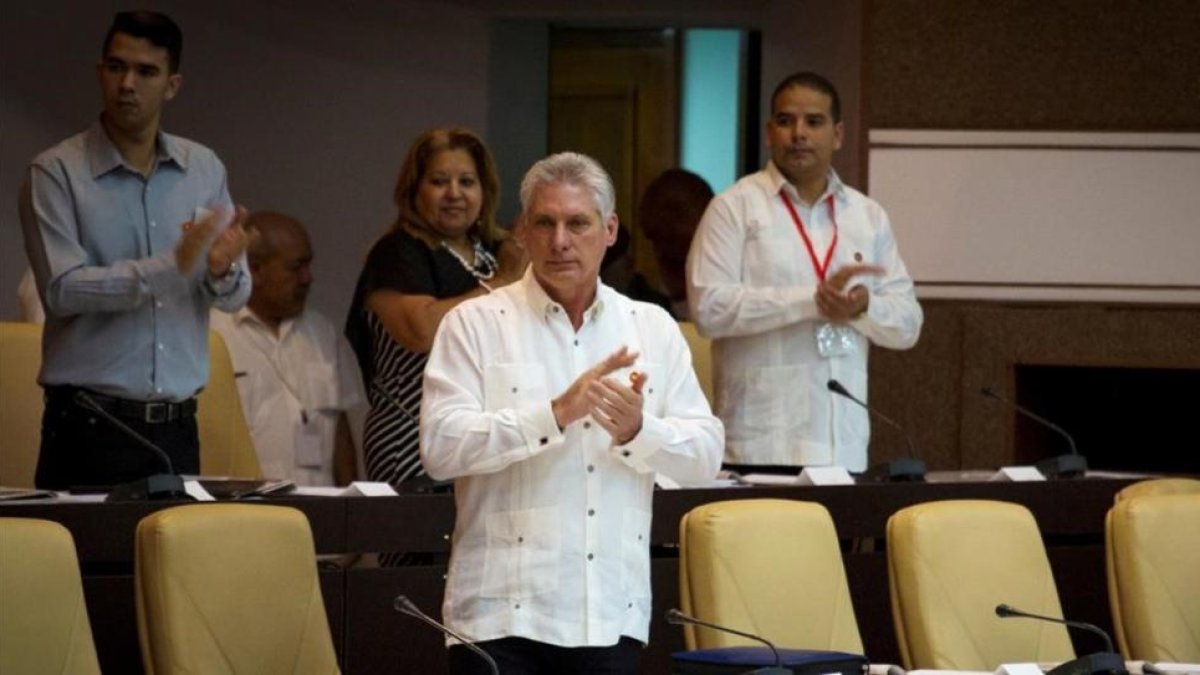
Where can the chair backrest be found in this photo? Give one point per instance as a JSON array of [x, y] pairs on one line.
[[20, 402], [701, 348], [949, 564], [1152, 546], [1158, 486], [771, 567], [226, 447], [44, 628], [230, 588]]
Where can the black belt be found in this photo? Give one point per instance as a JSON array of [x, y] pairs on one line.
[[151, 412]]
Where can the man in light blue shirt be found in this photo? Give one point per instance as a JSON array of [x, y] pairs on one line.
[[124, 227]]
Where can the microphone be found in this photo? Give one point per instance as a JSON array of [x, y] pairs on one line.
[[1107, 661], [405, 606], [1062, 466], [156, 486], [905, 469], [394, 402], [678, 618]]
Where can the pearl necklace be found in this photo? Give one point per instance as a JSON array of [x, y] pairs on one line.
[[485, 263]]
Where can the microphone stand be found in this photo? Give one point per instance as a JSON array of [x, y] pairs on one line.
[[906, 469], [677, 618], [1100, 662], [405, 606], [1070, 465], [156, 486]]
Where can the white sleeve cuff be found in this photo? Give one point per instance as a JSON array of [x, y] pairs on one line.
[[539, 428], [649, 440]]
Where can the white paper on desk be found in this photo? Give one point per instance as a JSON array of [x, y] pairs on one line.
[[197, 491], [364, 488], [825, 475], [768, 479], [1018, 474], [1190, 668], [1019, 668]]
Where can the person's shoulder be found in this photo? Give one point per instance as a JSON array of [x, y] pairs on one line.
[[190, 152], [71, 148], [640, 310]]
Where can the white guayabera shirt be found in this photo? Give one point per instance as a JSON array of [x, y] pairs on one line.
[[551, 541]]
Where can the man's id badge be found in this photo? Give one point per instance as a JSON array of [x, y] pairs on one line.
[[834, 340]]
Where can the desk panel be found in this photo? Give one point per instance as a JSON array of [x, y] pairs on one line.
[[372, 638]]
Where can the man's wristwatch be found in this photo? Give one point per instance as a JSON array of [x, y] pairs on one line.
[[231, 272]]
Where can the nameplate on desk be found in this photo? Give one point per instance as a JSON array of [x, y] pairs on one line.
[[365, 488], [1018, 474], [825, 475]]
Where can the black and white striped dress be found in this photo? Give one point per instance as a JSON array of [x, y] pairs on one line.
[[392, 374]]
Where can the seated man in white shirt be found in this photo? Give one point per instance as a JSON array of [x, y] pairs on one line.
[[295, 372], [552, 402]]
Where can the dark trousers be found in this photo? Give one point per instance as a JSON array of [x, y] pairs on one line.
[[81, 448], [519, 656]]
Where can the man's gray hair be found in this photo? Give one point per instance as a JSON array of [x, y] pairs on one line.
[[571, 168]]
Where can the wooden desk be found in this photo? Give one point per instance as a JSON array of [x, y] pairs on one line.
[[372, 638]]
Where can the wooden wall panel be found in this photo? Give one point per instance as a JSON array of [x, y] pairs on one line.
[[1025, 64]]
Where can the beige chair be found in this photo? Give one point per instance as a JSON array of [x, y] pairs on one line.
[[20, 402], [701, 348], [1158, 486], [230, 588], [949, 564], [226, 448], [44, 627], [771, 567], [1152, 546]]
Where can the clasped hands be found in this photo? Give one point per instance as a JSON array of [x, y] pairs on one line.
[[223, 248], [615, 406], [839, 305]]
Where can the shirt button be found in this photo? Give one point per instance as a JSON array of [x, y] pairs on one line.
[[587, 425], [520, 540], [158, 304], [514, 390], [517, 606], [160, 346], [625, 453], [543, 440], [153, 224], [158, 390], [590, 556], [591, 468], [591, 512], [577, 343]]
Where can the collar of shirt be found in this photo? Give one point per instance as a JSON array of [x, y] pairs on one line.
[[245, 315], [777, 182], [544, 306], [103, 156]]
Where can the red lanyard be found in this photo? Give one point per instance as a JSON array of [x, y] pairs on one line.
[[820, 268]]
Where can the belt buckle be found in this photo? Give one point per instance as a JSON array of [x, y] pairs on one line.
[[157, 413]]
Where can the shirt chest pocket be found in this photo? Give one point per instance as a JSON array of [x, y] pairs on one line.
[[513, 385], [522, 556], [769, 257]]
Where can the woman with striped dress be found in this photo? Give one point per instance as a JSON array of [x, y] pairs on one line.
[[444, 248]]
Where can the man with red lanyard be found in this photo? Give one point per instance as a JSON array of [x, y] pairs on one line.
[[793, 274]]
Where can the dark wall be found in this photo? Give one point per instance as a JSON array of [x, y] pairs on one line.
[[1026, 64]]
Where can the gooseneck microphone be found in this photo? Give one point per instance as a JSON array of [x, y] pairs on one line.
[[1062, 466], [677, 618], [394, 402], [157, 486], [1107, 661], [405, 606], [905, 469]]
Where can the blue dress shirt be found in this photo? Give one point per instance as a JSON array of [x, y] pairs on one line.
[[121, 319]]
